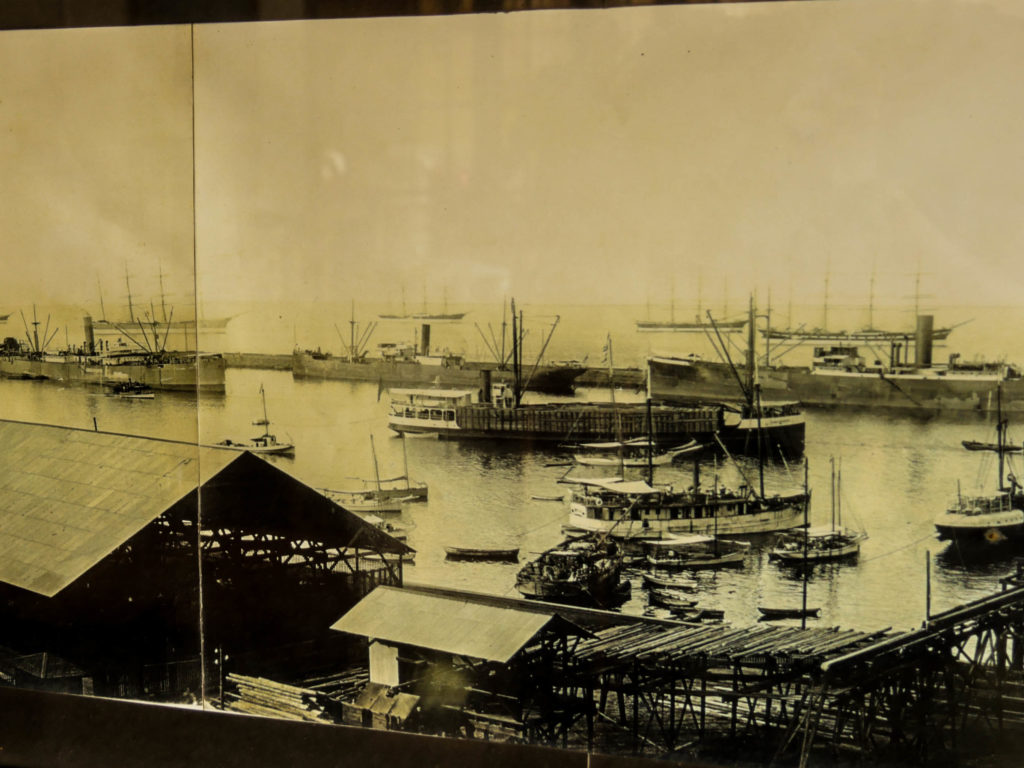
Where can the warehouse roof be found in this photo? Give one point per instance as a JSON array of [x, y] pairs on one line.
[[459, 626], [70, 497]]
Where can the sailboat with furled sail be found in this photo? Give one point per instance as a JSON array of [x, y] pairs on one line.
[[818, 544], [263, 444]]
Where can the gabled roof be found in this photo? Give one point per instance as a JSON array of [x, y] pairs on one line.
[[458, 626], [69, 497]]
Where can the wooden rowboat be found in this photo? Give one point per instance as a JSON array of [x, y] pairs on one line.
[[974, 445], [787, 613], [509, 555], [671, 582]]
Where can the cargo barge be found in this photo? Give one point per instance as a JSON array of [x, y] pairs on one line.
[[453, 414]]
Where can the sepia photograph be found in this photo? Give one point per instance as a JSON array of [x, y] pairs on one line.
[[630, 382]]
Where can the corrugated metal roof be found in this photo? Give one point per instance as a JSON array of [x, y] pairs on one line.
[[444, 624], [69, 497]]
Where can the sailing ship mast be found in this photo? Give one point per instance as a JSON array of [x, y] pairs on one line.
[[128, 285]]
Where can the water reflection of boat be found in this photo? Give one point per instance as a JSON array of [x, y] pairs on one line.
[[584, 571]]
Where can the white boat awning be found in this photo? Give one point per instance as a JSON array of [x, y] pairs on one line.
[[619, 486], [681, 541]]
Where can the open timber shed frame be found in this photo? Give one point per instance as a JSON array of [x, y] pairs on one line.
[[107, 541]]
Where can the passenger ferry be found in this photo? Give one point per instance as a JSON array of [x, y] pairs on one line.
[[635, 509]]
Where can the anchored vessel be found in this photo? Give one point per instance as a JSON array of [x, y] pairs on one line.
[[412, 365], [695, 552], [150, 364], [265, 443], [851, 375], [832, 542], [992, 518], [637, 510], [584, 571], [460, 414]]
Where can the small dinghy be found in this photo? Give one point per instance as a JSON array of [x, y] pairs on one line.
[[506, 555], [767, 614]]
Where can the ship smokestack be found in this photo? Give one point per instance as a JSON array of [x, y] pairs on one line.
[[425, 339], [90, 339], [485, 385], [923, 341]]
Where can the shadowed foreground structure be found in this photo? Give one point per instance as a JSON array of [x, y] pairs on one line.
[[107, 542]]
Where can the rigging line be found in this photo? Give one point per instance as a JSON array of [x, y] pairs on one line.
[[898, 388], [900, 549], [560, 516]]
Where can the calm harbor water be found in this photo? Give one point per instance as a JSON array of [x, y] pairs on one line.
[[898, 472]]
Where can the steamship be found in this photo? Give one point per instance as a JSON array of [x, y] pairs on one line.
[[147, 364], [847, 375], [414, 365]]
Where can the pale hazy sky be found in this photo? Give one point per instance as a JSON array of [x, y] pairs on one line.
[[600, 155]]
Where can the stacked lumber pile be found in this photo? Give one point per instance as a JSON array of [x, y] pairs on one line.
[[343, 686], [259, 696]]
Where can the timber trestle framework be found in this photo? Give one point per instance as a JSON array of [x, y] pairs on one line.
[[662, 689]]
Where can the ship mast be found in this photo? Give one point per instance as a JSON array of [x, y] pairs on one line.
[[1000, 432], [131, 308], [352, 333], [103, 310], [871, 301], [163, 296], [700, 293], [516, 352], [754, 388], [824, 314]]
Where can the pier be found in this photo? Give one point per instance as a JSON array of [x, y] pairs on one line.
[[792, 695]]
